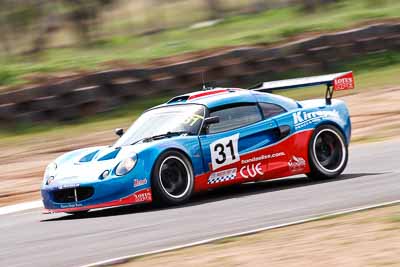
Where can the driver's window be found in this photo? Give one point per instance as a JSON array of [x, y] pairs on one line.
[[234, 117]]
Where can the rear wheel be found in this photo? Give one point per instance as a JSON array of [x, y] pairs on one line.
[[328, 153], [173, 179]]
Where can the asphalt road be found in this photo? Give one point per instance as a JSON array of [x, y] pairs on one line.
[[32, 239]]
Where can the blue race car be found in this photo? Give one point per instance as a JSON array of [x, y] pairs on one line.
[[204, 140]]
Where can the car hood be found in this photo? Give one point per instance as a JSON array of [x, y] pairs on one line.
[[86, 165]]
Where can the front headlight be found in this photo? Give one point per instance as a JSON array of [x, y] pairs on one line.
[[50, 170], [126, 166], [50, 173]]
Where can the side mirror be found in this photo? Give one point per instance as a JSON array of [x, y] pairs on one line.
[[119, 132], [211, 120]]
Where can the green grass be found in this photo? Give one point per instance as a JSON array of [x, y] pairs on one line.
[[395, 219], [267, 27]]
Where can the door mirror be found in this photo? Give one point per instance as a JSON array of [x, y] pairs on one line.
[[211, 120], [119, 132]]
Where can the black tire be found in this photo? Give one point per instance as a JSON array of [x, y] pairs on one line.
[[172, 179], [327, 152]]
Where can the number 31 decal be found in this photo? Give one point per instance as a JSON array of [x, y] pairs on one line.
[[224, 151]]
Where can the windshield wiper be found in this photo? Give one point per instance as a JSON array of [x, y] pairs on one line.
[[160, 136]]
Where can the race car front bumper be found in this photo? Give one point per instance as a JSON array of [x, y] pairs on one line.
[[75, 197]]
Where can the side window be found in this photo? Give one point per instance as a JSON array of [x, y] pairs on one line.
[[234, 117], [269, 110]]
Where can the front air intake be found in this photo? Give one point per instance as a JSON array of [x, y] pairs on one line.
[[70, 195]]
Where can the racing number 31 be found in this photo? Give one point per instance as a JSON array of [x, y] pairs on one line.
[[220, 149], [224, 151]]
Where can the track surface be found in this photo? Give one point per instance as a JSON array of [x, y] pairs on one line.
[[32, 239]]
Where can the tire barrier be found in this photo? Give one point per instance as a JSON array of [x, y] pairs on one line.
[[240, 67]]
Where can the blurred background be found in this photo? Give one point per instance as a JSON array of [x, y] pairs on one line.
[[72, 70], [43, 39]]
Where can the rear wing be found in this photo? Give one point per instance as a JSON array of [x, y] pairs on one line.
[[334, 82]]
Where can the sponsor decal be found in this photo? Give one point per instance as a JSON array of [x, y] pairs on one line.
[[224, 151], [139, 182], [222, 176], [304, 118], [72, 205], [344, 82], [296, 164], [191, 120], [263, 157], [143, 196], [251, 171], [278, 168], [65, 186]]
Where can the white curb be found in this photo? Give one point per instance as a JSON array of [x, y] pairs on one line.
[[21, 207]]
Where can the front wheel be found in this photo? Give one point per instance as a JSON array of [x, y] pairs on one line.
[[173, 179], [328, 153]]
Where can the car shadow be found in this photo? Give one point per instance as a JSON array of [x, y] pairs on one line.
[[220, 194]]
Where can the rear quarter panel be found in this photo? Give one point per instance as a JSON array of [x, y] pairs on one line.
[[316, 112], [302, 122]]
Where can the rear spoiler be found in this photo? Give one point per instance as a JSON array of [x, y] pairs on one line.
[[334, 82]]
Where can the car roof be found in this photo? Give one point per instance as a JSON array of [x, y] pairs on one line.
[[217, 97]]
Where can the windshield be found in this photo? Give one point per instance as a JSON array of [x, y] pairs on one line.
[[165, 120]]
